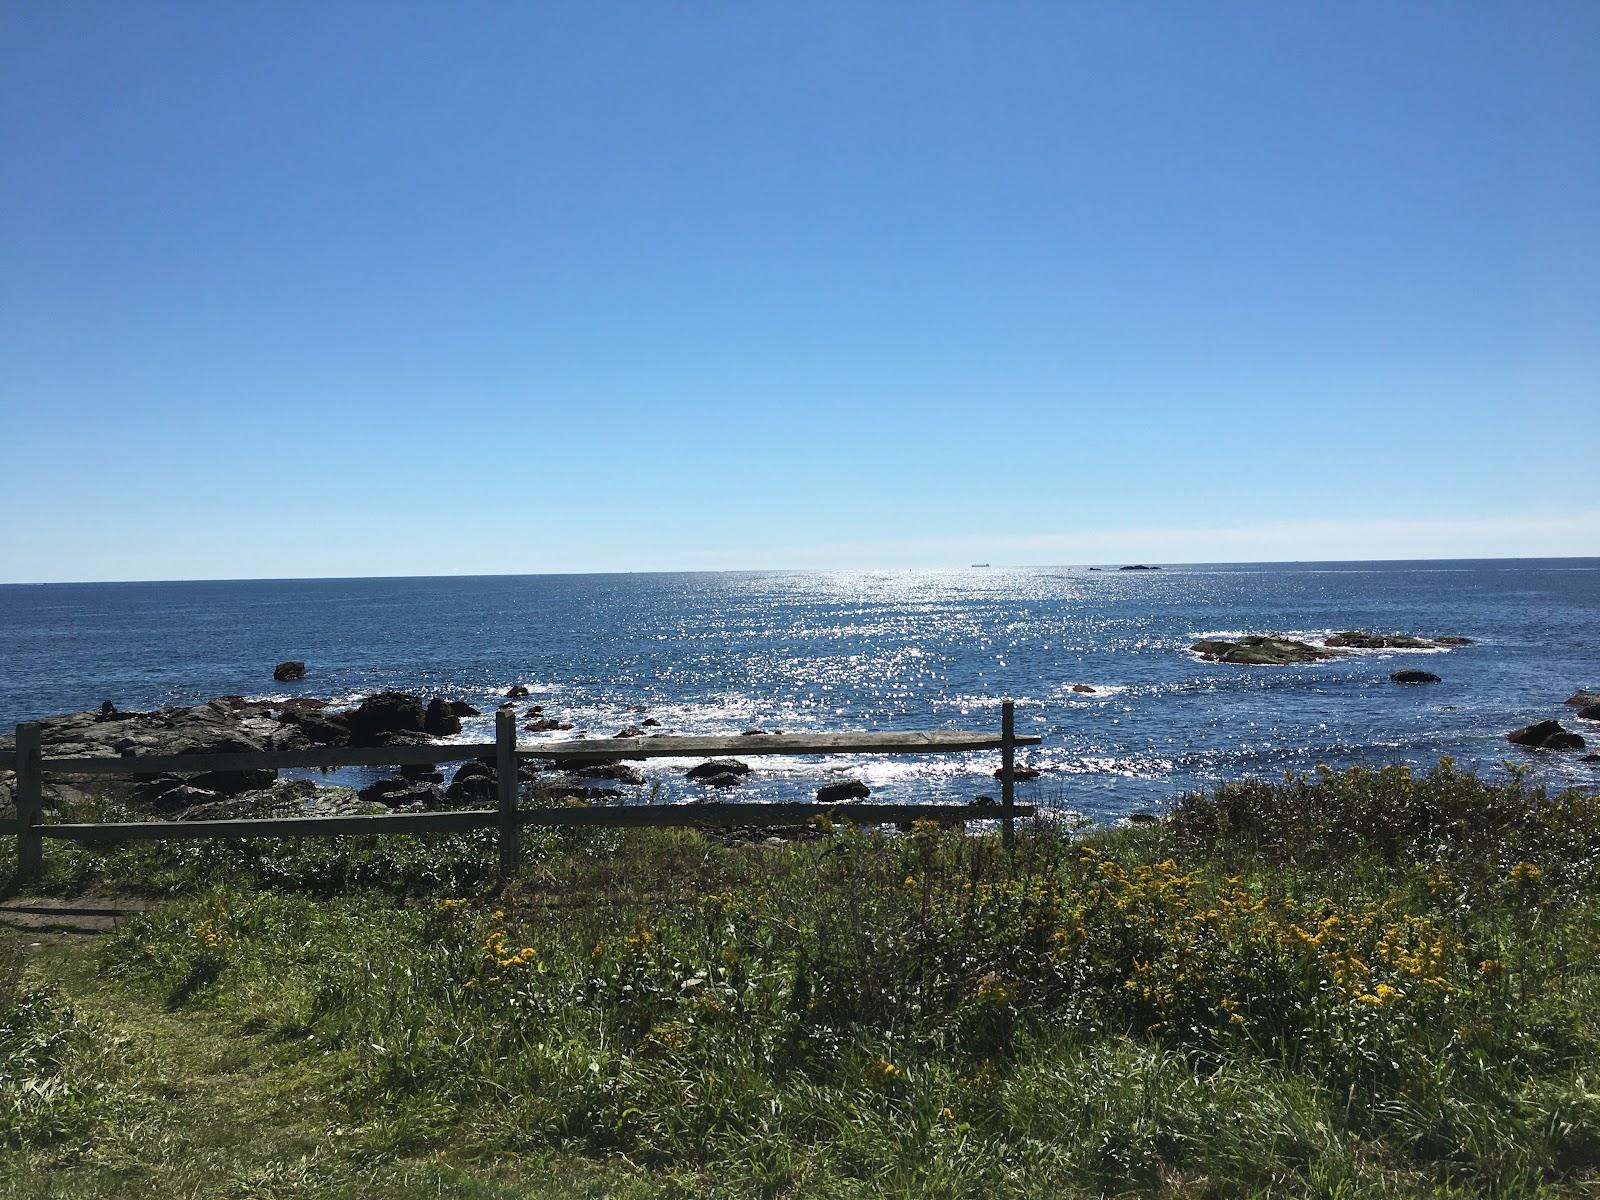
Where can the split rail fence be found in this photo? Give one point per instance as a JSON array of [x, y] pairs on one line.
[[507, 819]]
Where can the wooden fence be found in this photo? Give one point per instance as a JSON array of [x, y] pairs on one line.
[[506, 818]]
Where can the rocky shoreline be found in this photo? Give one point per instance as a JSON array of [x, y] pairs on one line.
[[231, 724]]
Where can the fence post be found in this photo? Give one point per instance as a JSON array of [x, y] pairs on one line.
[[29, 794], [505, 761], [1008, 764]]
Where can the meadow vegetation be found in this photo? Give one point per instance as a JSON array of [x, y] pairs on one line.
[[1351, 984]]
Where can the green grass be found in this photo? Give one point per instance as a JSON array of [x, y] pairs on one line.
[[1348, 985]]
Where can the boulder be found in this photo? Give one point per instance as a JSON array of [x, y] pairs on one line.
[[1590, 758], [1020, 774], [385, 791], [461, 708], [843, 792], [318, 728], [1083, 688], [1545, 735], [474, 767], [720, 779], [1414, 677], [1589, 712], [1452, 641], [650, 723], [1261, 650], [440, 719], [621, 772], [387, 712], [474, 789], [718, 766], [1583, 698], [630, 731], [289, 672], [1142, 818], [516, 693]]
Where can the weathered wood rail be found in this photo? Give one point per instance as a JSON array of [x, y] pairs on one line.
[[506, 818]]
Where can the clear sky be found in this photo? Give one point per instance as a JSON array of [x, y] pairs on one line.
[[300, 289]]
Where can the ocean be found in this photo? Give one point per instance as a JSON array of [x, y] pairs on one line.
[[723, 652]]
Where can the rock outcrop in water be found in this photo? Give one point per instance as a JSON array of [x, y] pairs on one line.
[[1414, 677], [1360, 639], [843, 792], [1583, 698], [375, 718], [1261, 650], [289, 672], [1545, 735]]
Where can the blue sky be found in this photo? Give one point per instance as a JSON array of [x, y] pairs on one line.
[[373, 288]]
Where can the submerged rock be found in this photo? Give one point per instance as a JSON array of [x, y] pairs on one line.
[[1414, 677], [1261, 650], [1020, 774]]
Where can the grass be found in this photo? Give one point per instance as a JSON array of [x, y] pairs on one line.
[[1345, 985]]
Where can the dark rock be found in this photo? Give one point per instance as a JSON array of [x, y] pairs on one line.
[[461, 708], [1583, 698], [1356, 639], [303, 704], [440, 719], [718, 766], [289, 672], [231, 783], [753, 733], [1589, 712], [474, 789], [650, 723], [1452, 641], [1590, 758], [720, 779], [639, 708], [422, 772], [534, 710], [984, 801], [1142, 818], [1545, 735], [183, 798], [630, 731], [517, 692], [474, 767], [387, 712], [381, 790], [1414, 677], [1261, 650], [1138, 567], [1083, 688], [1020, 774], [320, 729], [1535, 734], [621, 772], [843, 792]]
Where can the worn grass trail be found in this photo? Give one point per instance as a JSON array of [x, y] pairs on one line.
[[200, 1111]]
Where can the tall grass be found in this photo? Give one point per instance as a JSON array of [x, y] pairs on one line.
[[1343, 985]]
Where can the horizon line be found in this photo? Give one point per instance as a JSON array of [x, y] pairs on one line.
[[1289, 562]]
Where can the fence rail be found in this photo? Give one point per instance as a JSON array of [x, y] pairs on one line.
[[506, 818]]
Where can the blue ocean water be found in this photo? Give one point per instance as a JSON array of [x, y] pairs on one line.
[[722, 652]]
